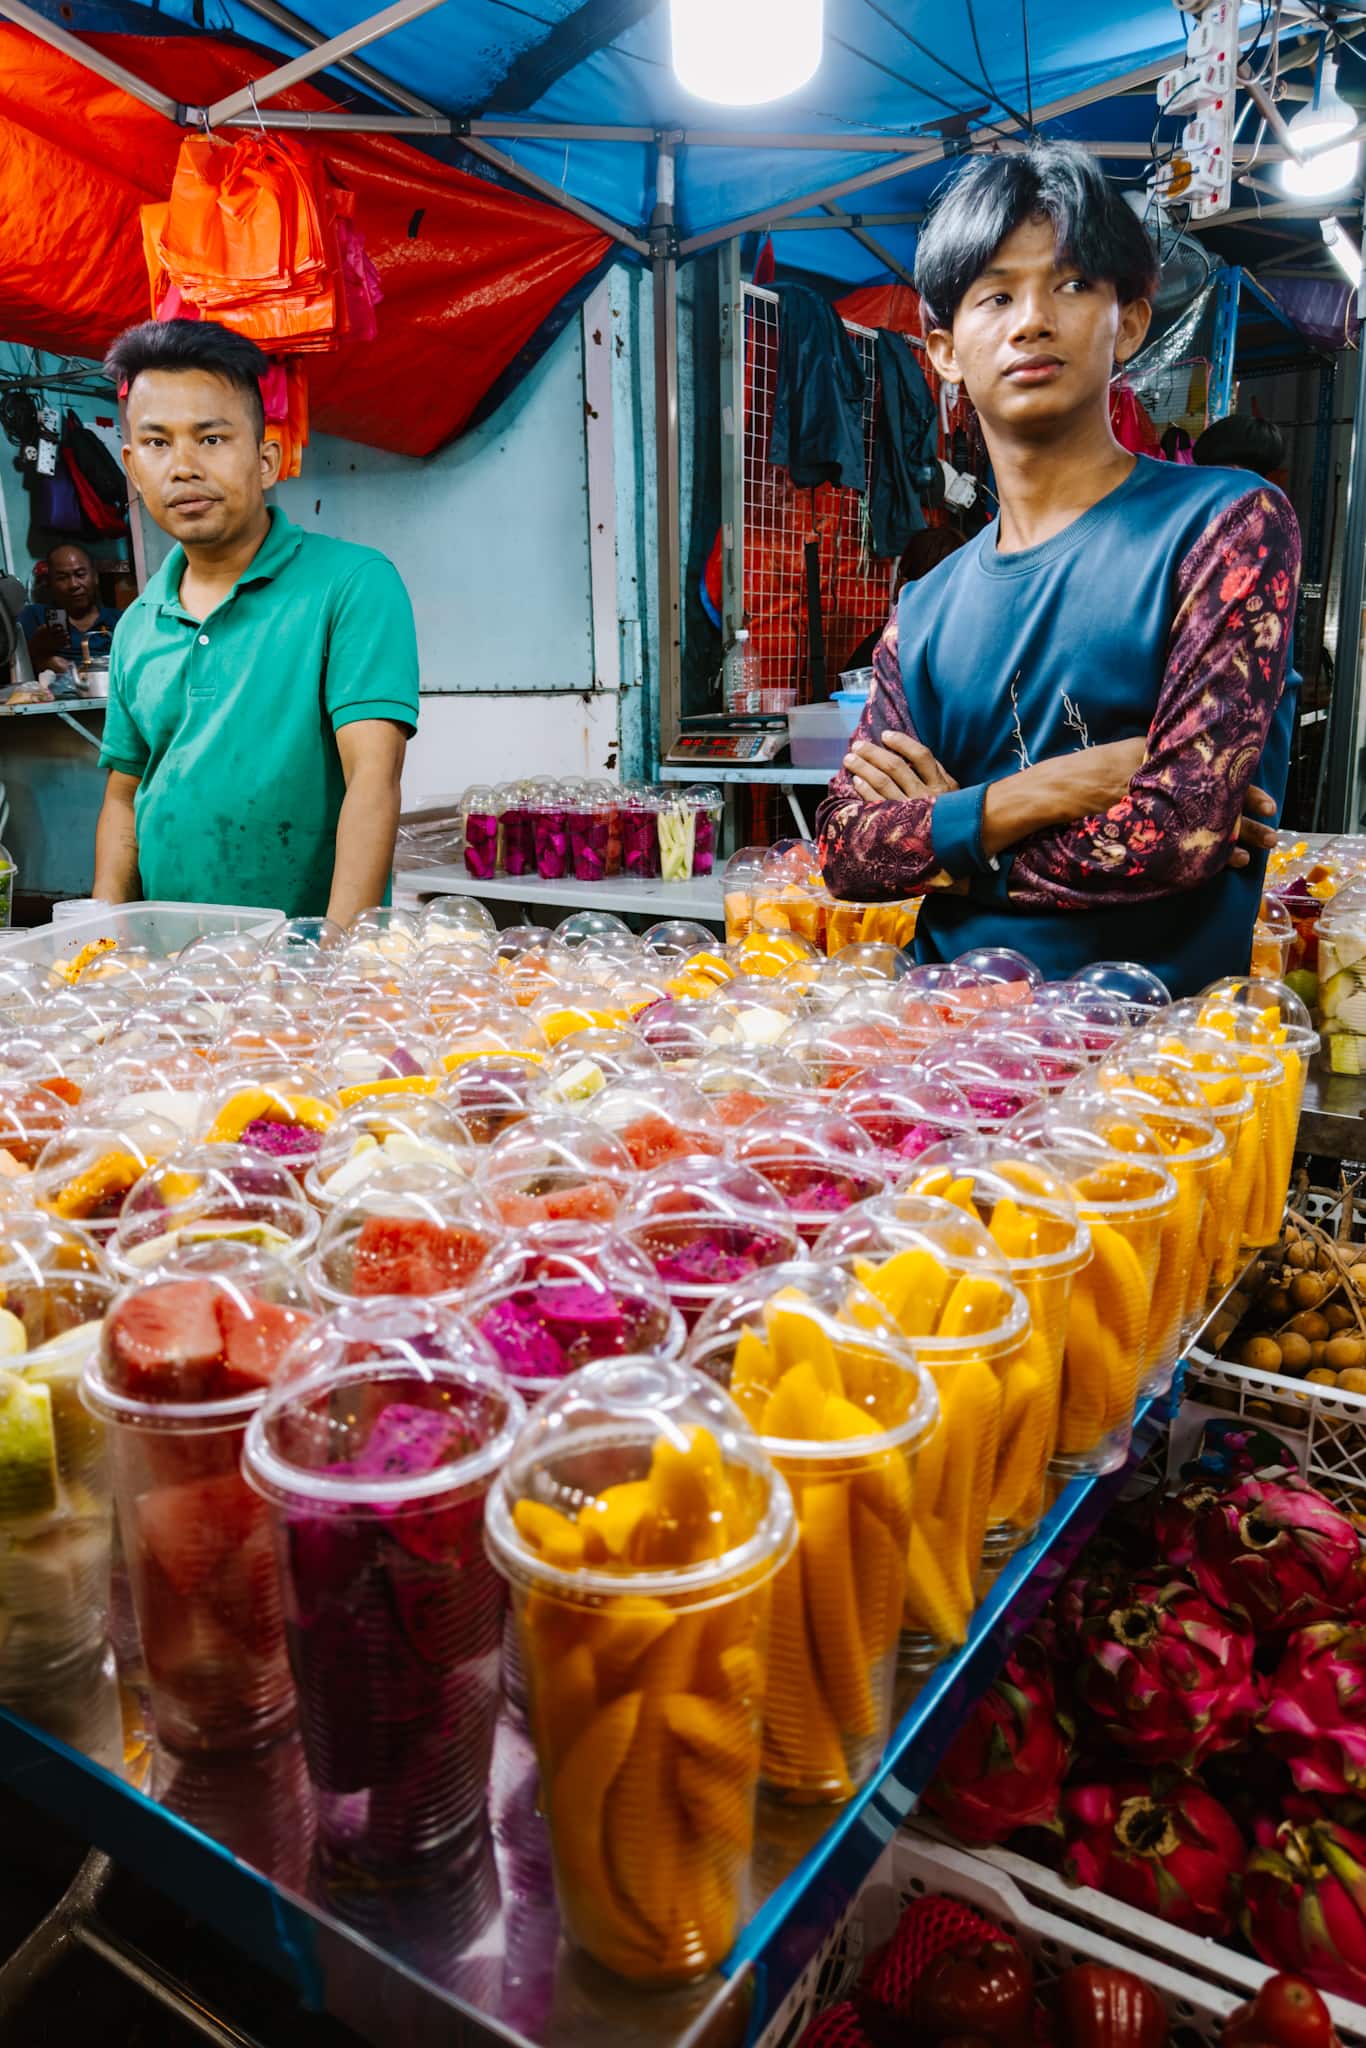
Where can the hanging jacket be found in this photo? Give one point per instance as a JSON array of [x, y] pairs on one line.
[[95, 463], [905, 447], [817, 432]]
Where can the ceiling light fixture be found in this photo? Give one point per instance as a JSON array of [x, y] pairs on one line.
[[1344, 250], [1313, 129], [743, 53]]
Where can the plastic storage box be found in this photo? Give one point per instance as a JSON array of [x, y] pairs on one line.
[[820, 733], [160, 929]]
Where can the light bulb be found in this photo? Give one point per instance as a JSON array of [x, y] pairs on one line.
[[745, 52], [1328, 115], [1344, 250]]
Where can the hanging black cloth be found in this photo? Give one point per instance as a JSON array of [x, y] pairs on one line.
[[905, 446], [817, 433]]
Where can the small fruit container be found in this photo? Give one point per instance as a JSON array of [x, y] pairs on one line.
[[31, 1116], [640, 1527], [575, 1293], [905, 1112], [741, 880], [835, 1049], [52, 1055], [679, 1033], [280, 1111], [492, 1091], [84, 1174], [556, 1167], [1142, 992], [589, 818], [820, 1162], [550, 830], [483, 1029], [708, 806], [1099, 1020], [55, 1522], [870, 924], [659, 1118], [517, 826], [414, 1230], [212, 1194], [186, 1357], [677, 833], [382, 937], [706, 1225], [1342, 981], [383, 1063], [302, 951], [370, 1461], [849, 1419], [638, 810], [455, 921], [1054, 1047], [990, 979], [1304, 888], [579, 1069], [479, 811], [750, 1012], [380, 1135], [1273, 1047], [999, 1081], [739, 1081], [942, 1283], [1030, 1217], [774, 956], [1273, 935], [1126, 1202], [293, 1025], [566, 1008], [173, 1086]]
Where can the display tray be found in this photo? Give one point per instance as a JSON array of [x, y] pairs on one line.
[[481, 1938]]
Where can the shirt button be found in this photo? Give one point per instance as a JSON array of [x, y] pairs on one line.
[[203, 639]]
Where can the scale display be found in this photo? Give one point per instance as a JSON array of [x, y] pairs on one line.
[[722, 746]]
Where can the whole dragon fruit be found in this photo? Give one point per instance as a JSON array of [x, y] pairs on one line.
[[1158, 1670], [1276, 1554], [1163, 1844], [1315, 1714], [1008, 1761], [1304, 1905]]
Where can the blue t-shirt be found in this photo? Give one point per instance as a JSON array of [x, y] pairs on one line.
[[1010, 659], [97, 637]]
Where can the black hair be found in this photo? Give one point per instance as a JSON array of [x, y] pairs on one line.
[[1241, 442], [190, 345], [973, 212]]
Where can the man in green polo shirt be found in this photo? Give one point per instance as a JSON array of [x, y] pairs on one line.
[[263, 686]]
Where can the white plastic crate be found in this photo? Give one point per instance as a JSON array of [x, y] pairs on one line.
[[1322, 1428], [160, 928], [1200, 1982]]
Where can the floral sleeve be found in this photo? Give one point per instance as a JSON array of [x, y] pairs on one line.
[[873, 853], [1225, 669]]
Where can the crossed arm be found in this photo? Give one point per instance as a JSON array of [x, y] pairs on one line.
[[1114, 823]]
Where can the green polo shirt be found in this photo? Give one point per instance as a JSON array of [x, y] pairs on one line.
[[230, 721]]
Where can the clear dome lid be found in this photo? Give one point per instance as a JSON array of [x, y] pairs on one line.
[[1274, 915], [84, 1173], [381, 1063], [365, 1004], [168, 1086], [1052, 1046], [1099, 1020], [263, 1027], [706, 1223], [463, 920], [566, 1008], [480, 798], [738, 1081], [1138, 988], [414, 1230], [50, 1054], [491, 1092], [658, 1118], [175, 1020], [394, 1406], [109, 962], [218, 960], [745, 868], [553, 1167], [302, 949], [905, 1111], [1207, 1060], [775, 956], [594, 931], [750, 1012], [1266, 1012], [577, 1292], [278, 1109], [813, 1361], [998, 967], [206, 1333], [935, 1272], [675, 938], [30, 1115], [1028, 1212], [1241, 1031], [456, 982], [1110, 1182], [495, 1029], [382, 1134], [864, 961], [53, 1280], [580, 1068], [819, 1161], [213, 1194], [793, 860], [382, 933], [23, 985], [678, 1033], [1182, 1126], [639, 1474], [999, 1081], [833, 1050], [932, 982]]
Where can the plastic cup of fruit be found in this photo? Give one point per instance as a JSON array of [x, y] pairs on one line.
[[408, 1230], [708, 808], [381, 1134], [491, 1092], [588, 832], [1275, 1062], [658, 1118], [1119, 1326], [55, 1520], [1342, 981], [999, 1081], [30, 1117], [550, 827], [677, 830], [279, 1110], [820, 1162], [640, 1527], [1272, 937], [1142, 992], [1032, 1220], [187, 1355], [455, 920], [479, 807], [583, 1065], [371, 1458], [739, 1081], [555, 1166], [1054, 1047], [638, 812], [704, 1225], [741, 881], [575, 1293], [904, 1112], [1099, 1020], [846, 1414], [84, 1174], [212, 1194], [857, 924], [835, 1049]]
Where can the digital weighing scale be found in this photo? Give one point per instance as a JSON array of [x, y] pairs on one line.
[[729, 742]]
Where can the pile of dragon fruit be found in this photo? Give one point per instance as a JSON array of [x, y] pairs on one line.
[[1185, 1728]]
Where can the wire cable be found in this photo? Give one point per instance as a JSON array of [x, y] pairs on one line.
[[1028, 82], [973, 84]]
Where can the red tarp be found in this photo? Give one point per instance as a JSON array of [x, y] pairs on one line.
[[469, 270]]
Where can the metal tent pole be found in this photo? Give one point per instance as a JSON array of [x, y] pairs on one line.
[[557, 197], [246, 98], [304, 32], [669, 583], [1342, 745], [732, 297], [874, 248]]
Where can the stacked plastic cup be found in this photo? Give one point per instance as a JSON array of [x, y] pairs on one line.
[[375, 1451], [186, 1358], [704, 1225], [944, 1286], [479, 808], [54, 1485], [640, 1526], [849, 1418]]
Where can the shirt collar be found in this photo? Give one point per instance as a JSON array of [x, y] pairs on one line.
[[280, 545]]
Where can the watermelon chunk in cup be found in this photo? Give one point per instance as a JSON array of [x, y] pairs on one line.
[[186, 1358], [373, 1455]]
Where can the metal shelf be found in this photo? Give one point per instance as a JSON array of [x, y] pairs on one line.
[[59, 706], [233, 1838], [783, 777], [701, 897]]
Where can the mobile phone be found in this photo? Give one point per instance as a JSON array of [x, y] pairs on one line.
[[53, 615]]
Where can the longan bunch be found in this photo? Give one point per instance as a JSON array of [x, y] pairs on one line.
[[1300, 1311]]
